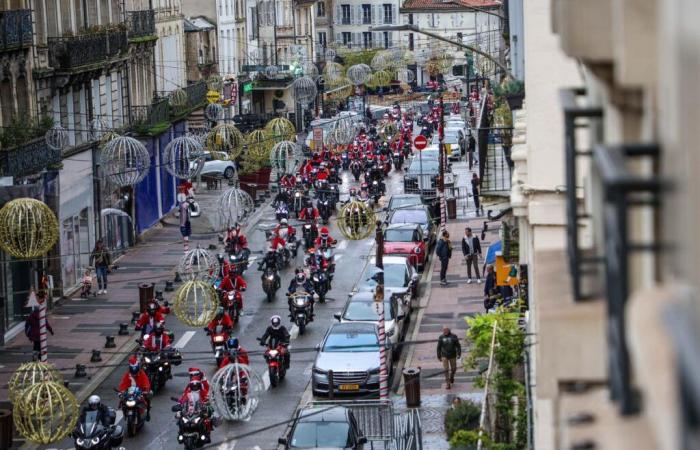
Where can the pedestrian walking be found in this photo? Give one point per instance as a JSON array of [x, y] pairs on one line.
[[475, 193], [185, 225], [101, 260], [448, 350], [32, 329], [471, 249], [443, 250], [471, 149]]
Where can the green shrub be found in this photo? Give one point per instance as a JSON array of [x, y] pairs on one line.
[[463, 416], [464, 440]]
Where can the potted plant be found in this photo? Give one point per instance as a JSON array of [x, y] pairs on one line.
[[513, 91]]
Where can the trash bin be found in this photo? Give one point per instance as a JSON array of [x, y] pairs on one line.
[[411, 384], [5, 428], [451, 207], [146, 294]]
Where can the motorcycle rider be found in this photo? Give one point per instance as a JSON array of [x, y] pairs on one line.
[[233, 281], [276, 334], [300, 283], [236, 352], [194, 393], [94, 404], [324, 239], [195, 372], [136, 377], [235, 240], [221, 319], [270, 261], [148, 320], [158, 340], [309, 212], [283, 228]]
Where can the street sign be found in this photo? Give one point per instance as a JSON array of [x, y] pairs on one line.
[[213, 96], [420, 142], [318, 138]]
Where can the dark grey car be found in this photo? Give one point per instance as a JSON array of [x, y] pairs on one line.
[[324, 427]]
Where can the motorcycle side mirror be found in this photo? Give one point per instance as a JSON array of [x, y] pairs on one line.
[[400, 317], [337, 316], [282, 441], [176, 408], [175, 399]]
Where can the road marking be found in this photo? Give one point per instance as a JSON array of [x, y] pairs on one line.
[[295, 332], [336, 258], [266, 381], [120, 416], [342, 245], [180, 344], [228, 445]]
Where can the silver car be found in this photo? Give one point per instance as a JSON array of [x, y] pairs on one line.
[[400, 277], [351, 351]]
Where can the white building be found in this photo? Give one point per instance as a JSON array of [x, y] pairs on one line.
[[352, 20], [170, 48], [228, 40]]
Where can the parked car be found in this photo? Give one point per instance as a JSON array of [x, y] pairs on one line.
[[351, 351], [360, 308], [321, 426], [406, 239], [218, 163], [400, 277], [398, 201], [454, 142], [419, 214]]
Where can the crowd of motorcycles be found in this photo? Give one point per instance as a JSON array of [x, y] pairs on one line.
[[369, 158]]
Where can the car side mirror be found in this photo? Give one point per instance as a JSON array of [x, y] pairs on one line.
[[415, 277], [318, 347], [282, 441], [337, 316], [362, 440]]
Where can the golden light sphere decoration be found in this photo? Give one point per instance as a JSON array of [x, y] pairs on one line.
[[381, 78], [195, 303], [215, 83], [29, 374], [280, 129], [178, 98], [225, 138], [28, 228], [356, 220], [342, 88], [259, 141], [47, 412]]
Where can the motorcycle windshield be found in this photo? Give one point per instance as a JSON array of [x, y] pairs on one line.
[[91, 426]]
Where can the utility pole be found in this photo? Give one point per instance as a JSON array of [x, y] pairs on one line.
[[443, 164], [379, 307]]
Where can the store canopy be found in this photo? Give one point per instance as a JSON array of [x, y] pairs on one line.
[[494, 248]]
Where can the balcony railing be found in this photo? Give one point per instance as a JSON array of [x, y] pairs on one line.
[[623, 191], [15, 29], [68, 53], [496, 162], [151, 115], [142, 23], [196, 94], [26, 159], [582, 264]]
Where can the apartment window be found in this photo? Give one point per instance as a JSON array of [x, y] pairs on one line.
[[366, 14], [321, 9], [347, 38], [367, 39], [388, 16], [322, 39], [386, 39], [345, 14]]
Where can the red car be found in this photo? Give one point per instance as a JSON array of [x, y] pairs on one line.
[[406, 239]]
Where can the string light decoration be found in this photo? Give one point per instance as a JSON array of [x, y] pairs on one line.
[[388, 130], [286, 157], [405, 75], [305, 90], [356, 220], [225, 138], [46, 413], [214, 112], [56, 137], [98, 129], [271, 71], [281, 129], [198, 264], [380, 60], [108, 136], [409, 57], [330, 54], [234, 206], [195, 303], [178, 98], [332, 71], [183, 157], [259, 140], [359, 74], [29, 374], [381, 78], [215, 82], [125, 161], [236, 391], [341, 88], [28, 228], [310, 70]]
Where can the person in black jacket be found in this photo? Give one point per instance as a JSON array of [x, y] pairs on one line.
[[448, 350], [471, 249], [443, 250]]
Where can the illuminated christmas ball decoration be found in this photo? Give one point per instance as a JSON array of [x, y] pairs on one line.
[[356, 220], [183, 157], [225, 138], [381, 78], [56, 137], [388, 130], [214, 112], [28, 228], [405, 75], [380, 61], [259, 141], [333, 71], [305, 90], [286, 157], [409, 57], [198, 264], [29, 374], [359, 74], [310, 69], [108, 136], [271, 71], [281, 129], [125, 161], [234, 206], [330, 54], [98, 129], [178, 98], [339, 137], [195, 303], [215, 83], [340, 89], [45, 413], [235, 391]]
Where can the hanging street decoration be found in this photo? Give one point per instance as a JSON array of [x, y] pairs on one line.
[[46, 413], [225, 138], [195, 303], [183, 157], [28, 228], [125, 161]]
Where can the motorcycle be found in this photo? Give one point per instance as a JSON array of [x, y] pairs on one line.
[[324, 210], [133, 406], [192, 432], [300, 310], [298, 203], [239, 260], [398, 160], [270, 283], [282, 211], [158, 369], [334, 195], [375, 191], [219, 343], [90, 434], [321, 283], [230, 301], [345, 159], [309, 232], [356, 169], [275, 363], [236, 391]]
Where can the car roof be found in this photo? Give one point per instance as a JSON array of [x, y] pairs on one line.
[[402, 226], [404, 196], [357, 327], [389, 260], [335, 413], [368, 296]]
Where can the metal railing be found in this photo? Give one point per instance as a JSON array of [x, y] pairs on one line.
[[496, 162], [26, 159], [408, 433], [623, 191], [15, 29], [581, 263], [196, 94], [150, 115], [76, 51], [142, 23]]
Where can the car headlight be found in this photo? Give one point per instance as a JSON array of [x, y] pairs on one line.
[[417, 250]]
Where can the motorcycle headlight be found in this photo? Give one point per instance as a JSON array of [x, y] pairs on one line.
[[315, 278], [297, 194], [185, 420], [273, 353], [95, 440], [147, 359], [80, 441], [130, 403], [197, 419], [230, 296], [218, 339], [299, 301], [374, 182], [271, 277]]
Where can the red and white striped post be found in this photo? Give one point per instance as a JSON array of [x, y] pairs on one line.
[[443, 164], [379, 306], [40, 302]]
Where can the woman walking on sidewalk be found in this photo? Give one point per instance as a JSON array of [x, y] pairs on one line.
[[100, 259], [443, 250]]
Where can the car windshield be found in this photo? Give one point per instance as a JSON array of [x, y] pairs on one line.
[[449, 138], [427, 154], [403, 235], [428, 166], [398, 202], [321, 434], [409, 216], [394, 276], [348, 341], [364, 311]]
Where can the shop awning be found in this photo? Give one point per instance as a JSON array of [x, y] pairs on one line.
[[272, 85]]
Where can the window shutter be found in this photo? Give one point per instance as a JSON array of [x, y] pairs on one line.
[[380, 16], [374, 14], [352, 14], [394, 15], [336, 16], [376, 39], [338, 38]]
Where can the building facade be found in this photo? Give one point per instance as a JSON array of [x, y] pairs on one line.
[[200, 49], [323, 26], [170, 70], [352, 20]]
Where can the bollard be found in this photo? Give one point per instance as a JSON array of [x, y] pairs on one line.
[[96, 356], [169, 286], [159, 296], [212, 247], [331, 385], [177, 279], [66, 384], [135, 316], [123, 329], [6, 429], [80, 371], [109, 342], [411, 386], [145, 295]]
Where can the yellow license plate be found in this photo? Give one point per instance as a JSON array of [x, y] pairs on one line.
[[349, 387]]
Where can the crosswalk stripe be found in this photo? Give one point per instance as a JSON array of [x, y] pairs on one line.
[[182, 342], [342, 245], [294, 333]]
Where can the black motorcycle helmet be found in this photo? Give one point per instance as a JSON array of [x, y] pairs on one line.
[[158, 329], [219, 312], [300, 277], [151, 309]]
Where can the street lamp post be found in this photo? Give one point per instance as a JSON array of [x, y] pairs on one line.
[[379, 305]]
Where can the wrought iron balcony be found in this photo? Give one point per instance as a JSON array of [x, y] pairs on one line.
[[146, 117], [495, 163], [196, 94], [142, 24], [622, 192], [74, 52], [26, 159], [15, 29], [582, 263]]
